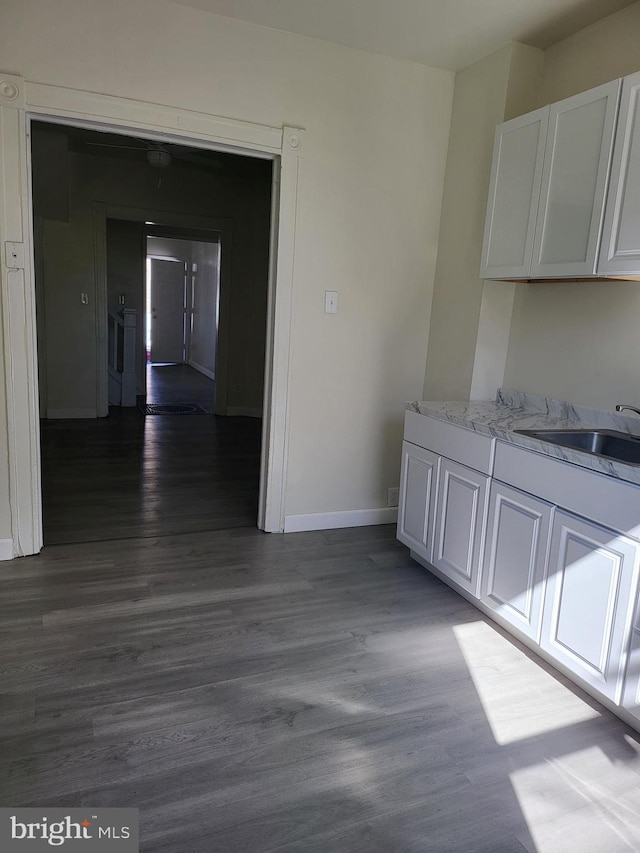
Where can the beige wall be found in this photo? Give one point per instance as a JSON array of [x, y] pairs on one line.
[[580, 342], [463, 340], [478, 105], [370, 191], [597, 54]]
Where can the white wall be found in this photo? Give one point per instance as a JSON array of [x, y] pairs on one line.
[[168, 247], [370, 189], [202, 353], [581, 341]]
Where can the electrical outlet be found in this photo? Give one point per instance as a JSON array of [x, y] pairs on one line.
[[393, 496]]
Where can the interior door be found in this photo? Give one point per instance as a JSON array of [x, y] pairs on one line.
[[168, 293]]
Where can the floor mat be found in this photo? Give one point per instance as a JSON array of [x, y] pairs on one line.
[[172, 409]]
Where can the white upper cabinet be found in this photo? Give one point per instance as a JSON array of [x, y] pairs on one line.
[[620, 247], [574, 182], [547, 191], [514, 191]]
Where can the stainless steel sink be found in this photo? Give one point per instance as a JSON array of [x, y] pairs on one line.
[[600, 442]]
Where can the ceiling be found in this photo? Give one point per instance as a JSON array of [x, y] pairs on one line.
[[442, 33]]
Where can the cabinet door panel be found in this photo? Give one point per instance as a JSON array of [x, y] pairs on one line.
[[587, 610], [631, 696], [620, 247], [515, 554], [417, 486], [460, 514], [514, 193], [574, 177]]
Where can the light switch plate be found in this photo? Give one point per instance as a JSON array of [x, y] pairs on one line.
[[331, 302]]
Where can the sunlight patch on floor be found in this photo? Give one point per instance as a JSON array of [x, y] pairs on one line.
[[566, 810], [505, 679]]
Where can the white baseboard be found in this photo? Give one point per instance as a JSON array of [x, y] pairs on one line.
[[203, 370], [347, 518], [56, 414], [6, 549], [243, 411]]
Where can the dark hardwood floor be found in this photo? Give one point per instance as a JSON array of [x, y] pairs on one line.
[[179, 383], [129, 475], [310, 693]]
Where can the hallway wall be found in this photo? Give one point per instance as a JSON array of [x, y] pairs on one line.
[[125, 276], [202, 350]]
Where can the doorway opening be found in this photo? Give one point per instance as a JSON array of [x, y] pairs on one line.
[[188, 301], [182, 295]]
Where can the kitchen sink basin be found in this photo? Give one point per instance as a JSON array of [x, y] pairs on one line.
[[600, 442]]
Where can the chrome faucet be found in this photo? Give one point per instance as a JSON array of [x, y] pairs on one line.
[[620, 407]]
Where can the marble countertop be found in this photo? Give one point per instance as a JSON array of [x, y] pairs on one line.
[[515, 410]]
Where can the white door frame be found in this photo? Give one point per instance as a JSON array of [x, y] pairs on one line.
[[22, 101], [177, 316]]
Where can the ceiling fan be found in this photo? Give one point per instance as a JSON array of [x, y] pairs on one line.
[[157, 153], [160, 155]]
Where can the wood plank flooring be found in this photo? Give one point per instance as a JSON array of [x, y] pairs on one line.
[[308, 692], [133, 476], [179, 383]]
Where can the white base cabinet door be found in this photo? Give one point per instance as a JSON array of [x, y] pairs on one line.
[[417, 489], [459, 524], [589, 601], [515, 556], [631, 696]]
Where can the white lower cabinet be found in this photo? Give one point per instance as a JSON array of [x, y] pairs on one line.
[[514, 558], [631, 694], [589, 601], [547, 563], [417, 487], [459, 523]]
